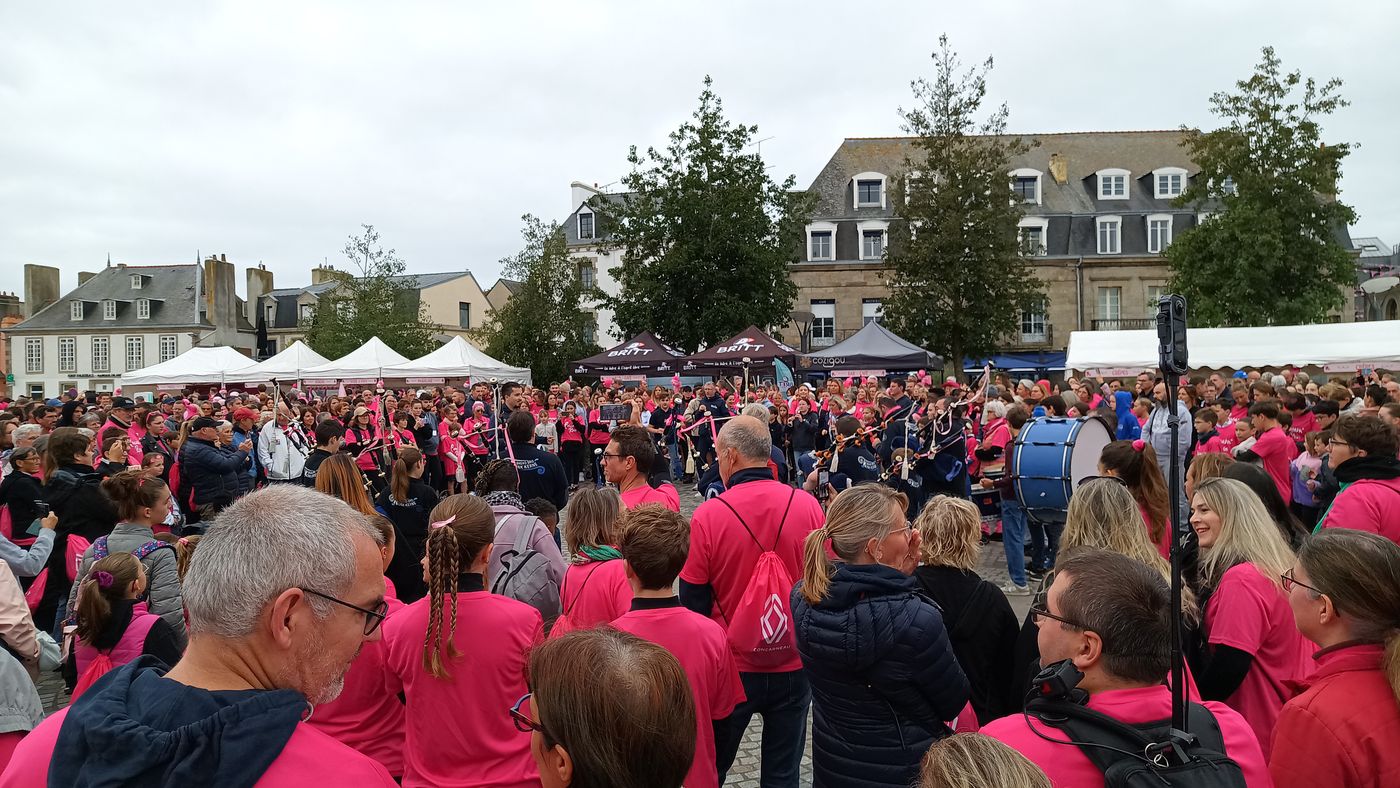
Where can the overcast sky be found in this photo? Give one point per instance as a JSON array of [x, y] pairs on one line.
[[269, 131]]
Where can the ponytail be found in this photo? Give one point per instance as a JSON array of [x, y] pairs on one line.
[[106, 582], [132, 491], [399, 481], [816, 567]]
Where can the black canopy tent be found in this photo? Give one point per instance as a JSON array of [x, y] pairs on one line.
[[872, 348], [643, 354], [757, 346]]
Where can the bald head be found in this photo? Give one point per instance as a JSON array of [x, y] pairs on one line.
[[749, 437]]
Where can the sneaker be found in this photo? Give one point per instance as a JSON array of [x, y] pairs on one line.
[[1036, 574], [1011, 589]]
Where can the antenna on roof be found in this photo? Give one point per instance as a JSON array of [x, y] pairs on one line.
[[109, 259]]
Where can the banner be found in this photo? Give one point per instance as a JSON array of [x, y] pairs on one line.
[[783, 373]]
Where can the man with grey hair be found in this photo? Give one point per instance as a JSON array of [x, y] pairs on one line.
[[284, 589], [25, 435], [754, 516]]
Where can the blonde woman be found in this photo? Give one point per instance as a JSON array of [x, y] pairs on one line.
[[980, 623], [1206, 466], [591, 531], [883, 676], [971, 760], [1252, 649]]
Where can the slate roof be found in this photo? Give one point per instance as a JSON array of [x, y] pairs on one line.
[[512, 285], [1370, 246], [1085, 153], [571, 223], [171, 289]]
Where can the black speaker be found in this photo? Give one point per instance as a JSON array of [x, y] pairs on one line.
[[1171, 334]]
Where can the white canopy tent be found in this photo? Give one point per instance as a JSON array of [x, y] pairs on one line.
[[459, 358], [196, 365], [365, 364], [290, 364], [1373, 344]]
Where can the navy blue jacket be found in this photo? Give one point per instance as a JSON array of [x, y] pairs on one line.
[[211, 472], [883, 675], [134, 727]]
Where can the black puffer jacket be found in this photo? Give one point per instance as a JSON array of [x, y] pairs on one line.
[[74, 492], [211, 472], [883, 676]]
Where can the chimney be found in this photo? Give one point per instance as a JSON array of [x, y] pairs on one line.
[[1059, 168], [259, 284], [580, 193], [220, 298], [83, 276], [40, 288], [323, 273]]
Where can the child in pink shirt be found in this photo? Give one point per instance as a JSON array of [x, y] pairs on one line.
[[459, 657], [654, 544], [595, 588]]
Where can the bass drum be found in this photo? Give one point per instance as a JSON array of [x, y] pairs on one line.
[[1049, 458]]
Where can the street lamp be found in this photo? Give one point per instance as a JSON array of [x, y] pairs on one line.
[[803, 318]]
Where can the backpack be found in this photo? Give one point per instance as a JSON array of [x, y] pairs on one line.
[[524, 574], [99, 549], [760, 628], [1145, 754]]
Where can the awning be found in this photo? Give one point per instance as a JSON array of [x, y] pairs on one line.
[[751, 343], [1354, 345], [1049, 361], [872, 347], [458, 358], [643, 354], [366, 362], [196, 365]]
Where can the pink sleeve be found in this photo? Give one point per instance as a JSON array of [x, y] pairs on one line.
[[1237, 615], [1350, 509], [728, 689], [697, 568]]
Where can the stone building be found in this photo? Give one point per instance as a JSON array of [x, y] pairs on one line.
[[1099, 211]]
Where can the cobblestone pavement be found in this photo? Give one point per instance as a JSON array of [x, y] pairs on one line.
[[745, 772]]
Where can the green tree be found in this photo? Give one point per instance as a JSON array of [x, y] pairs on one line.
[[543, 326], [957, 275], [706, 235], [1271, 254], [379, 301]]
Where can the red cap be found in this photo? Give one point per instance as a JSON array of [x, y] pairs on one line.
[[245, 413]]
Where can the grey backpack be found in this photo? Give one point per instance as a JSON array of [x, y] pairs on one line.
[[524, 573]]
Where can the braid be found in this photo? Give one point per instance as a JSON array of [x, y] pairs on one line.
[[442, 579], [486, 481]]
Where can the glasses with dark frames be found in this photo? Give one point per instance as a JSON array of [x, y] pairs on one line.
[[1040, 612], [1289, 581], [522, 720], [373, 618]]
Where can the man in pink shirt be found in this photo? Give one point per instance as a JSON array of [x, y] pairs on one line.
[[627, 463], [654, 544], [1272, 446], [724, 550], [1106, 619], [289, 585]]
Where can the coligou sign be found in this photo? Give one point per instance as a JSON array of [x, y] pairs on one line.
[[745, 344], [633, 349]]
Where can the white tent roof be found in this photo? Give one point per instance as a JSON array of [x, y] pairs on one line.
[[196, 365], [1368, 344], [367, 361], [287, 365], [458, 358]]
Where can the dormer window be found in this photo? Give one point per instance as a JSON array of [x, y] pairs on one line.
[[869, 188], [821, 241], [143, 309], [1227, 186], [1025, 185], [1113, 184], [137, 281], [1170, 182], [585, 226], [109, 310], [75, 310]]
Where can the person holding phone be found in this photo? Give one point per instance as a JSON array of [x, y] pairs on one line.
[[24, 498]]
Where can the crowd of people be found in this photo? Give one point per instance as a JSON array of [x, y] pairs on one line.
[[396, 585]]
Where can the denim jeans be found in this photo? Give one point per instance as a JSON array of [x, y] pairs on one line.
[[677, 467], [806, 462], [1045, 543], [782, 700], [1013, 539]]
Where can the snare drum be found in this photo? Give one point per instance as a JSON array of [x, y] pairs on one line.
[[1049, 457]]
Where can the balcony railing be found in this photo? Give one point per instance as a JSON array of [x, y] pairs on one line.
[[1123, 323]]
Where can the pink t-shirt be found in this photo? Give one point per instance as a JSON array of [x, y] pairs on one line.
[[665, 495], [702, 648], [1277, 451], [1301, 426], [309, 757], [723, 556], [595, 593], [458, 730], [1068, 767], [1251, 613], [573, 430]]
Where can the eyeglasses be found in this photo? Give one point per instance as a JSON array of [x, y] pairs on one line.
[[1289, 581], [1040, 612], [522, 721], [1335, 442], [607, 456], [373, 618]]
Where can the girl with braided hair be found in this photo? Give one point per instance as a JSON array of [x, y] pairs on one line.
[[458, 655]]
